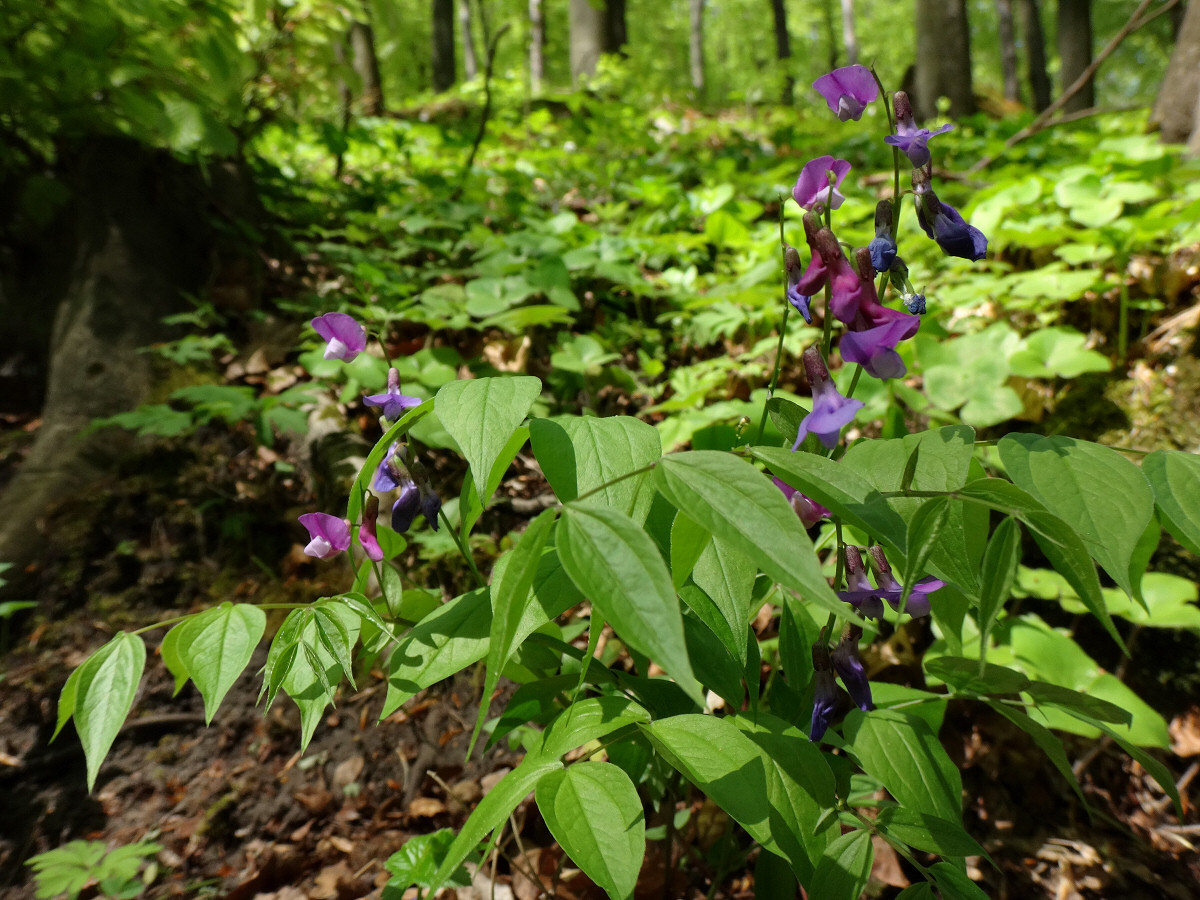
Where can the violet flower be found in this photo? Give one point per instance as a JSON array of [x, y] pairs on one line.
[[831, 412], [859, 592], [346, 338], [848, 90], [913, 302], [328, 535], [850, 669], [942, 222], [876, 330], [825, 693], [399, 470], [809, 511], [883, 247], [813, 187], [791, 265], [913, 141], [393, 402], [406, 507], [368, 535], [830, 266], [891, 590]]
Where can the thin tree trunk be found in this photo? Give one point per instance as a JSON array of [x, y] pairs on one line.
[[1075, 51], [1035, 49], [943, 57], [829, 30], [587, 38], [1175, 111], [696, 46], [443, 45], [849, 39], [783, 51], [537, 46], [1008, 50], [470, 60], [616, 34], [366, 66]]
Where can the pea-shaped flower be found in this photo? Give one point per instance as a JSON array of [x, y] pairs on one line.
[[328, 535], [344, 336], [848, 90]]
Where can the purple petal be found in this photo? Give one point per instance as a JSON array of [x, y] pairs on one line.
[[813, 188], [346, 338], [847, 91], [370, 541], [328, 534]]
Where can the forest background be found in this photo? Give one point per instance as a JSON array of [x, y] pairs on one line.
[[585, 192]]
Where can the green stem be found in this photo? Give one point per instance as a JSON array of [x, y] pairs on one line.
[[466, 554], [787, 308], [617, 480], [1123, 324]]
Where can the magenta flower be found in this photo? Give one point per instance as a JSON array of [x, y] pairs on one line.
[[876, 330], [809, 511], [791, 264], [850, 668], [830, 266], [831, 412], [346, 338], [368, 535], [913, 141], [328, 535], [859, 592], [393, 402], [813, 187], [825, 693], [848, 90], [891, 590]]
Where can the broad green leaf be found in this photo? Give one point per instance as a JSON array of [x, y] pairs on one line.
[[838, 488], [1157, 770], [707, 611], [333, 635], [510, 596], [773, 878], [587, 720], [104, 694], [1175, 478], [470, 507], [688, 541], [1073, 701], [1046, 740], [582, 454], [967, 675], [1104, 496], [739, 505], [996, 576], [594, 813], [843, 871], [492, 810], [216, 646], [66, 701], [417, 860], [954, 883], [715, 668], [312, 678], [481, 415], [786, 416], [617, 565], [922, 890], [726, 576], [932, 834], [925, 534], [169, 651], [904, 753]]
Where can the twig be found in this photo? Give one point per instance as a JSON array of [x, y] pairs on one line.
[[1042, 121], [487, 105]]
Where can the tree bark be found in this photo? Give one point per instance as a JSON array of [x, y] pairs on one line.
[[1008, 50], [366, 67], [1175, 111], [783, 52], [587, 38], [616, 33], [832, 33], [537, 46], [943, 57], [442, 45], [1035, 49], [470, 59], [1075, 51], [849, 38], [696, 46]]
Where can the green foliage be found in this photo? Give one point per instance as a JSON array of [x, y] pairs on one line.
[[79, 865]]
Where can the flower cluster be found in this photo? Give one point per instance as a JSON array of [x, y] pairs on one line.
[[844, 659], [398, 471], [868, 600]]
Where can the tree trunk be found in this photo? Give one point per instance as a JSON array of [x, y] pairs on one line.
[[443, 45], [1035, 49], [696, 46], [831, 32], [366, 67], [616, 34], [537, 46], [1008, 50], [849, 38], [943, 57], [470, 60], [783, 51], [1075, 51], [1178, 98], [587, 38]]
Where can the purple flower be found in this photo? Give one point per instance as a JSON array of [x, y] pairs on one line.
[[831, 412], [848, 90], [813, 187], [874, 348], [406, 507], [859, 592], [328, 535], [850, 669], [883, 247], [913, 141], [791, 264], [891, 590], [399, 470], [830, 266], [809, 511], [393, 402], [942, 222], [367, 534], [389, 475], [345, 336], [825, 693]]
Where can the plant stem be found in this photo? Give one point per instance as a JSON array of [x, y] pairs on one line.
[[787, 308], [464, 550]]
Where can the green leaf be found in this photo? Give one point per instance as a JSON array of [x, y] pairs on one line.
[[1073, 701], [169, 651], [688, 541], [967, 675], [216, 646], [594, 812], [727, 577], [588, 720], [954, 883], [104, 694], [843, 871], [410, 418], [1061, 352], [580, 454], [333, 636], [66, 701], [481, 415], [1175, 477], [925, 530], [510, 596], [417, 860], [617, 565], [1046, 740], [1104, 496], [493, 809], [315, 671], [786, 416], [470, 507], [996, 576], [932, 834], [739, 505], [904, 753]]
